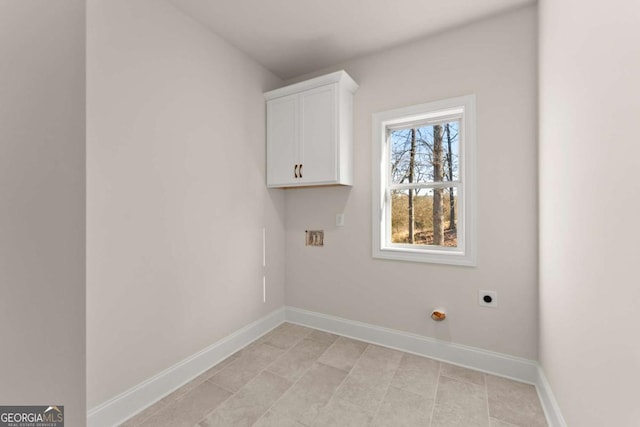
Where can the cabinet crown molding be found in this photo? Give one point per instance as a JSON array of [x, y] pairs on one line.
[[341, 77]]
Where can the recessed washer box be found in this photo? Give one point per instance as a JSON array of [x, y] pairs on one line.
[[315, 237]]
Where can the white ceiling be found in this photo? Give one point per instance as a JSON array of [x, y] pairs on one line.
[[295, 37]]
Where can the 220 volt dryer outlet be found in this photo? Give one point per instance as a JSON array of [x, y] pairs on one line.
[[488, 299]]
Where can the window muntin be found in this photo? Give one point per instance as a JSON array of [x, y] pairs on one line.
[[423, 163]]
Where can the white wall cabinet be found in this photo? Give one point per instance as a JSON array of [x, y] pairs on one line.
[[310, 132]]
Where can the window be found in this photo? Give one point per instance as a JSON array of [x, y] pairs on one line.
[[423, 182]]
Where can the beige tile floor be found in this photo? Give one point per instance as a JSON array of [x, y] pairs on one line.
[[296, 376]]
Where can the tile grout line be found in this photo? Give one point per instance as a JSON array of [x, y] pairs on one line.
[[435, 394], [486, 393], [256, 376], [235, 360], [508, 424], [341, 382], [233, 393], [160, 403], [375, 415], [175, 401], [224, 388], [219, 404], [389, 387], [270, 408], [278, 358], [282, 338], [344, 379], [486, 384], [294, 382], [162, 406]]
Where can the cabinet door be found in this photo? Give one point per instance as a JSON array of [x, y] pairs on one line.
[[282, 140], [319, 138]]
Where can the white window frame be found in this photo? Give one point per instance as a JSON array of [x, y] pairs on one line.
[[461, 108]]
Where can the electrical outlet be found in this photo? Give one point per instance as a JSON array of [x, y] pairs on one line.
[[340, 220], [488, 298]]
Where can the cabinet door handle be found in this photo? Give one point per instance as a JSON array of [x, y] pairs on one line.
[[300, 170], [295, 171]]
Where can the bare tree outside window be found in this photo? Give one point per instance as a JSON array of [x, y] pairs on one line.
[[424, 192], [424, 165]]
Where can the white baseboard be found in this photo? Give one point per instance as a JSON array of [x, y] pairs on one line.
[[120, 408], [138, 398], [470, 357], [503, 365], [549, 403]]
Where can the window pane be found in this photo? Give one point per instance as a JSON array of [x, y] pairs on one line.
[[425, 154], [415, 212]]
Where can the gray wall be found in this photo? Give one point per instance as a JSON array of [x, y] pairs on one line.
[[589, 208], [495, 59], [176, 193], [42, 205]]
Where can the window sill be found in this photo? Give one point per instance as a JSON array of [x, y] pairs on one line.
[[448, 257]]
